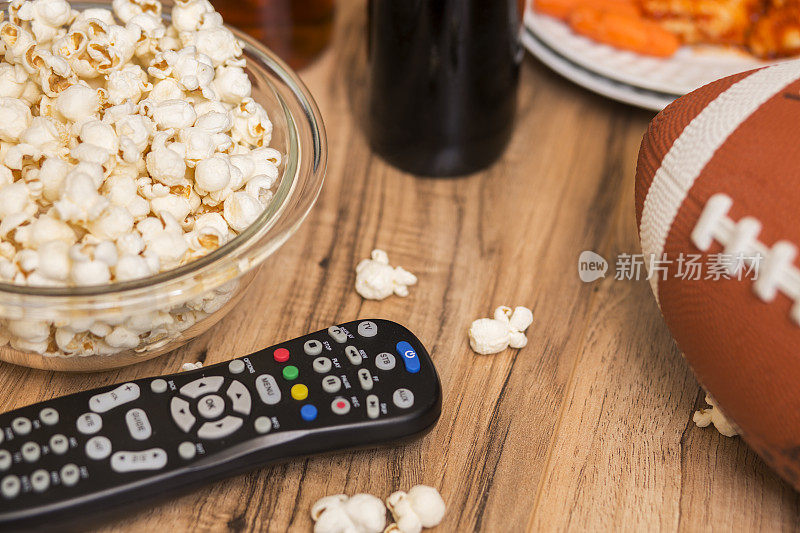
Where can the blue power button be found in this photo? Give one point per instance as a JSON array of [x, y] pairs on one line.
[[410, 357]]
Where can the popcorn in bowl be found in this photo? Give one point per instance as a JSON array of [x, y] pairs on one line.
[[129, 147]]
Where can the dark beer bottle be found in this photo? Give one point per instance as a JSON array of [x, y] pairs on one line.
[[442, 82]]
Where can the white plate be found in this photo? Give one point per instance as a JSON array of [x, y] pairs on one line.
[[688, 69], [594, 82]]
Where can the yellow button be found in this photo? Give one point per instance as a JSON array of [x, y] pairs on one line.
[[299, 392]]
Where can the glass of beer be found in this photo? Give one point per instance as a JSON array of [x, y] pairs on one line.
[[297, 30]]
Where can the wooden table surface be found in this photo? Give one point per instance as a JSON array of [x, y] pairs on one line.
[[588, 427]]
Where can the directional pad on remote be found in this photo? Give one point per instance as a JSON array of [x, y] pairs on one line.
[[240, 397], [219, 429], [202, 386], [179, 409]]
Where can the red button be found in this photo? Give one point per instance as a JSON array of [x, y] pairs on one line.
[[340, 405], [281, 355]]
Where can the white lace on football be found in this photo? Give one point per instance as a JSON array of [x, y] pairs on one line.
[[776, 270], [696, 145]]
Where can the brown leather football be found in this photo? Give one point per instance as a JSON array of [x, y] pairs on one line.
[[718, 185]]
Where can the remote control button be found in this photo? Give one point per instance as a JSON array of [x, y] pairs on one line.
[[367, 329], [21, 425], [202, 386], [220, 429], [179, 409], [89, 423], [40, 480], [365, 379], [373, 407], [31, 452], [236, 366], [290, 373], [403, 398], [340, 406], [5, 460], [152, 459], [262, 425], [48, 416], [299, 392], [410, 357], [281, 355], [187, 450], [268, 389], [353, 354], [331, 384], [240, 397], [337, 334], [322, 365], [10, 486], [384, 361], [138, 424], [98, 447], [59, 444], [312, 347], [308, 412], [70, 474], [211, 406], [105, 401], [158, 386], [2, 436]]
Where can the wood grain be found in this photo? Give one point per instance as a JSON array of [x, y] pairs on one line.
[[588, 427]]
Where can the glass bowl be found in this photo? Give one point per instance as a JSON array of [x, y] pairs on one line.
[[170, 308]]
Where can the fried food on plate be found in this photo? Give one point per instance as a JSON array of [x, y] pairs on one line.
[[562, 9], [777, 33], [616, 22], [705, 21], [624, 30], [765, 28]]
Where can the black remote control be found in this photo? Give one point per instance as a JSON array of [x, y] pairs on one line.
[[358, 384]]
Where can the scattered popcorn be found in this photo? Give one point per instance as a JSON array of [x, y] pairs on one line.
[[129, 146], [704, 417], [376, 279], [360, 513], [191, 366], [493, 335], [422, 506]]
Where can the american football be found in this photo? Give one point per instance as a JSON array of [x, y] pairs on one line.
[[717, 186]]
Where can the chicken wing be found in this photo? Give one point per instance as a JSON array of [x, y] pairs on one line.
[[777, 32], [705, 21]]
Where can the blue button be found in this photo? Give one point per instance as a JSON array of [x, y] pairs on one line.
[[410, 357], [308, 412]]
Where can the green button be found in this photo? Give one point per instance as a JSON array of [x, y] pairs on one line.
[[290, 372]]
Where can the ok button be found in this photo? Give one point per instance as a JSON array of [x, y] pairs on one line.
[[211, 406]]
